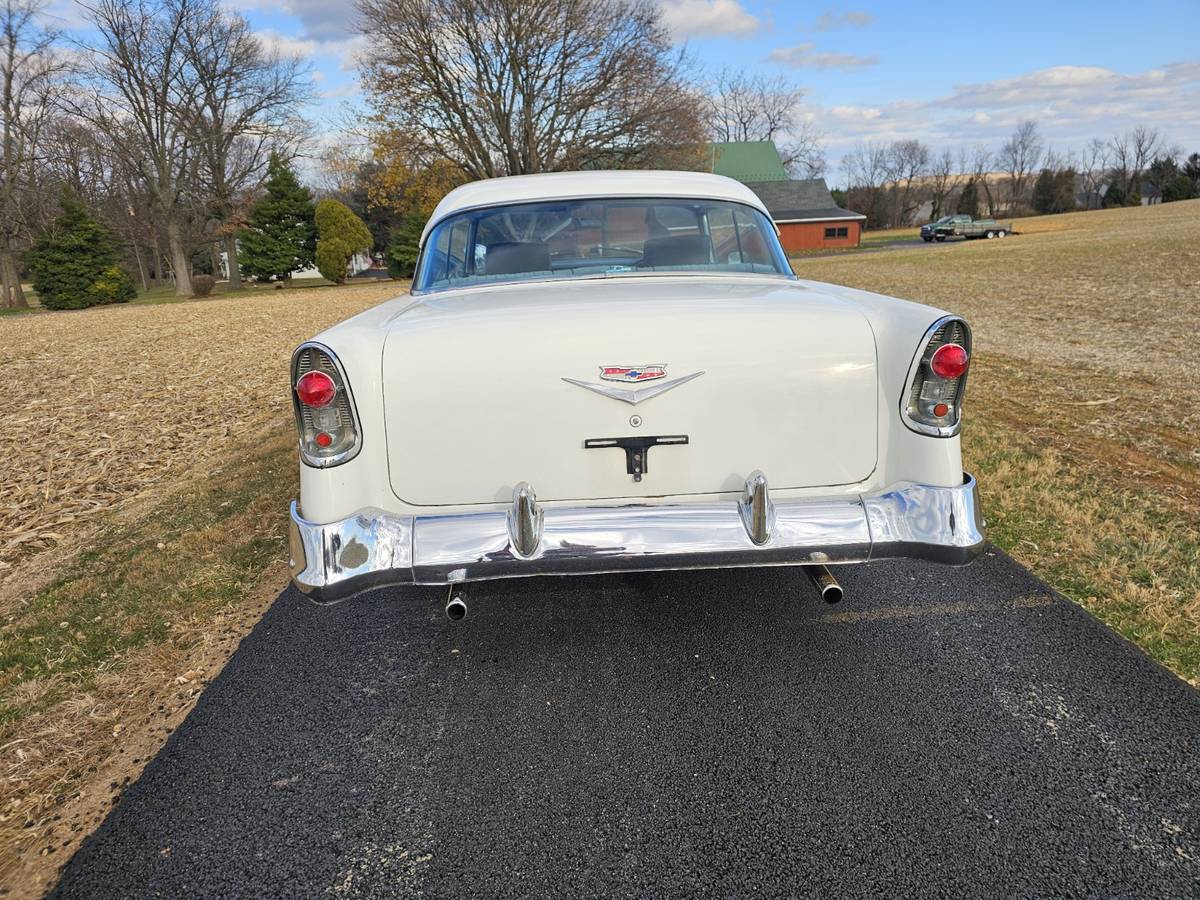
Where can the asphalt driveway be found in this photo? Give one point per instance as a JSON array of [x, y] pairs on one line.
[[942, 731]]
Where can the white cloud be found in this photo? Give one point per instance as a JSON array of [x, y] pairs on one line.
[[1071, 104], [344, 51], [805, 56], [286, 44], [322, 20], [829, 21], [1077, 85], [707, 18]]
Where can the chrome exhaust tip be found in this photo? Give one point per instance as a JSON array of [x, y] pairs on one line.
[[827, 585], [456, 608]]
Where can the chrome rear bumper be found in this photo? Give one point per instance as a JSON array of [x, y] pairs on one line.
[[374, 548]]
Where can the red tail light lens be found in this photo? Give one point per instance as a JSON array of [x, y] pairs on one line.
[[316, 389], [950, 361]]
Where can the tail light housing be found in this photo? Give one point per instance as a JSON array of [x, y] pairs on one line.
[[937, 379], [326, 419]]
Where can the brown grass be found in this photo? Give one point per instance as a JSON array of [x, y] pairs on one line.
[[118, 400], [1083, 412]]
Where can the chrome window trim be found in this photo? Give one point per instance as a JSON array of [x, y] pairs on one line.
[[324, 462], [940, 431]]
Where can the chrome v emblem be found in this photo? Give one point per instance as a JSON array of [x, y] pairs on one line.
[[633, 395]]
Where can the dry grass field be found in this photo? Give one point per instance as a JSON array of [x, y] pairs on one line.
[[1083, 408], [143, 504]]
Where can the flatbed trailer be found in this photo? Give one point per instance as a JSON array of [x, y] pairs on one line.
[[980, 228], [963, 226]]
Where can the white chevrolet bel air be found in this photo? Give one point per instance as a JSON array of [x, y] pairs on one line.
[[613, 371]]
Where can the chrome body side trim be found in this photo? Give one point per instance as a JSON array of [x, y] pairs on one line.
[[374, 548]]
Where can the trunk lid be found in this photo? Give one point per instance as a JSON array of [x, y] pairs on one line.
[[475, 397]]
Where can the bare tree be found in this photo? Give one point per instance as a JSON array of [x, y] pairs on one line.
[[1131, 152], [81, 159], [745, 107], [30, 77], [978, 162], [941, 182], [1019, 157], [244, 99], [866, 168], [504, 87], [906, 162], [142, 100], [1093, 170]]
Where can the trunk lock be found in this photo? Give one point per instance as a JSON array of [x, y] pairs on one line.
[[637, 450]]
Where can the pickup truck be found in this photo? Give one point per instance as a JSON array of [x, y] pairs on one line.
[[964, 226]]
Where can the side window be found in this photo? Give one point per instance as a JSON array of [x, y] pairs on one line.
[[843, 232], [830, 232], [456, 263], [437, 252], [754, 245]]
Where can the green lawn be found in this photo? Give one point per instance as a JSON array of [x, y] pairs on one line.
[[165, 293]]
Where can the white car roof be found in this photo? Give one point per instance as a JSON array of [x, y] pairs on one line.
[[577, 185]]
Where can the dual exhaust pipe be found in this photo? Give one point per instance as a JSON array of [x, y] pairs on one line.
[[456, 605], [828, 587]]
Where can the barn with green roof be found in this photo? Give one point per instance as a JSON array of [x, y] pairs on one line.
[[803, 209]]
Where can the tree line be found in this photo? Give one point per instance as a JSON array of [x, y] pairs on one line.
[[153, 140], [898, 183], [165, 145]]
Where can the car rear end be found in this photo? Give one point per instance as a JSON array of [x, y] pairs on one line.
[[811, 440]]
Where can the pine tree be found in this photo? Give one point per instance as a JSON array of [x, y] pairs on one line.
[[968, 200], [280, 236], [1044, 198], [74, 263], [1191, 168], [403, 246], [340, 234]]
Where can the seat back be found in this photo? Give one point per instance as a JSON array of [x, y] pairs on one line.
[[515, 257], [679, 250]]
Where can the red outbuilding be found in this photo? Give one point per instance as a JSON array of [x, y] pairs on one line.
[[807, 217]]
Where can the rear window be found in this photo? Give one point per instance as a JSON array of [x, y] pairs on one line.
[[587, 238]]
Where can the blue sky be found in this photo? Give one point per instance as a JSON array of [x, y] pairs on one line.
[[950, 74]]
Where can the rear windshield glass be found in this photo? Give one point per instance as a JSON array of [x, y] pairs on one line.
[[576, 238]]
